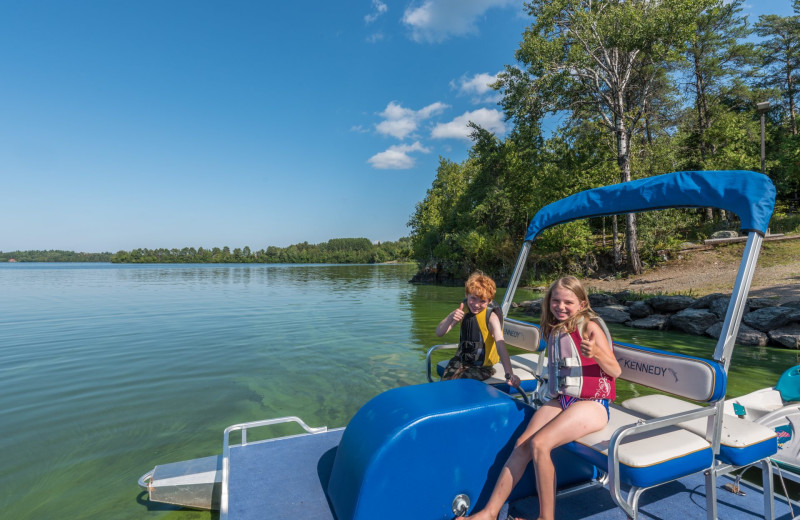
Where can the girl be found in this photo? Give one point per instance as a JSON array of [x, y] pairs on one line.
[[571, 327]]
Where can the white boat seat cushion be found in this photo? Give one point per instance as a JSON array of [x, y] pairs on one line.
[[742, 442], [648, 458]]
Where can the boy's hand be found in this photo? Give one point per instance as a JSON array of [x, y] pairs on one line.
[[513, 380], [458, 314]]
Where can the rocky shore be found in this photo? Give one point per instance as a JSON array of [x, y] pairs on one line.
[[766, 321]]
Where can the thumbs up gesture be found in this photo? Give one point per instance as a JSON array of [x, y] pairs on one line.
[[588, 344], [458, 314]]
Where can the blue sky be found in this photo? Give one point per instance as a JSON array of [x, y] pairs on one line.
[[174, 123]]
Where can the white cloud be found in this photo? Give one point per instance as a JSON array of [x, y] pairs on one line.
[[491, 120], [400, 122], [478, 87], [378, 9], [436, 20], [477, 84], [397, 157]]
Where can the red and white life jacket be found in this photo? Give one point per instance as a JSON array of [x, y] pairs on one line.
[[571, 373]]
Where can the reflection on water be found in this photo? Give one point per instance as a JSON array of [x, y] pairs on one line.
[[110, 369]]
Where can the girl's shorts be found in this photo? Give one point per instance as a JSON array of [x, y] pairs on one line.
[[567, 400]]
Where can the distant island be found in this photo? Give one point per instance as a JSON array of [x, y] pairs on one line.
[[334, 251]]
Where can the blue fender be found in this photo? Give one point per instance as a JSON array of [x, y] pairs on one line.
[[410, 451]]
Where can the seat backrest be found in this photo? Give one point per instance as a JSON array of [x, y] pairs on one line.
[[522, 335], [690, 377]]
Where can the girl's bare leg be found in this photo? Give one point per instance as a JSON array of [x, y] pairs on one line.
[[577, 420], [517, 462]]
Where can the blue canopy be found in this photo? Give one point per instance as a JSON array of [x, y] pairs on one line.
[[750, 195]]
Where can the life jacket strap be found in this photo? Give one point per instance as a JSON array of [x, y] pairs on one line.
[[569, 362]]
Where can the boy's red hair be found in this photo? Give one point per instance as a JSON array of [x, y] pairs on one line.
[[481, 286]]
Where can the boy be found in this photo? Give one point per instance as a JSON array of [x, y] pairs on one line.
[[481, 343]]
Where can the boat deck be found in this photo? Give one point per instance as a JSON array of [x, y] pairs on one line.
[[290, 476]]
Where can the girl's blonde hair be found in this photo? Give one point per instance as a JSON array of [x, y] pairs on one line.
[[549, 323], [481, 286]]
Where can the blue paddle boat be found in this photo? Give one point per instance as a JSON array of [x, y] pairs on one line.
[[433, 451]]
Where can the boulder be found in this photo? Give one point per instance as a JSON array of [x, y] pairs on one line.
[[719, 307], [770, 318], [725, 234], [533, 307], [653, 322], [746, 335], [788, 337], [670, 303], [625, 295], [602, 300], [795, 304], [614, 314], [639, 310], [704, 301], [692, 321], [761, 303]]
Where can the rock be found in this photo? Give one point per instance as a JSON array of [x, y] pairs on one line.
[[534, 307], [720, 307], [770, 318], [761, 303], [670, 303], [693, 321], [786, 336], [725, 234], [746, 335], [653, 322], [795, 304], [639, 310], [613, 314], [705, 301], [624, 295], [602, 300]]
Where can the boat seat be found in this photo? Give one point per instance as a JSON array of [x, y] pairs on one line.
[[518, 334], [524, 366], [643, 452], [646, 459], [742, 442]]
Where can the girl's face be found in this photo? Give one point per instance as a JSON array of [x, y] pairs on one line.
[[564, 303], [476, 304]]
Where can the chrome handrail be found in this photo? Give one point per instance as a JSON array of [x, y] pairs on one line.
[[431, 351]]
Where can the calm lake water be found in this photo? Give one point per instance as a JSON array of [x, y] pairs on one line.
[[109, 370]]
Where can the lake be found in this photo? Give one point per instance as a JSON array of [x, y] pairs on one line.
[[109, 369]]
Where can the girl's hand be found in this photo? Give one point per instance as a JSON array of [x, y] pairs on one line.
[[589, 347], [458, 314]]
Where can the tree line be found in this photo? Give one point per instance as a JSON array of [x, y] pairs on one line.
[[334, 251], [641, 88], [53, 255]]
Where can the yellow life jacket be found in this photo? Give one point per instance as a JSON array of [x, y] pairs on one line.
[[476, 345]]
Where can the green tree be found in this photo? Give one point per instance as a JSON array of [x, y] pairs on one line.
[[716, 55], [599, 59], [781, 55]]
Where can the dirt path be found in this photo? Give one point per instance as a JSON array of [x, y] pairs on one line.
[[703, 272]]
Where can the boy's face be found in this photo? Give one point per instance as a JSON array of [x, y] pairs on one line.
[[476, 304]]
